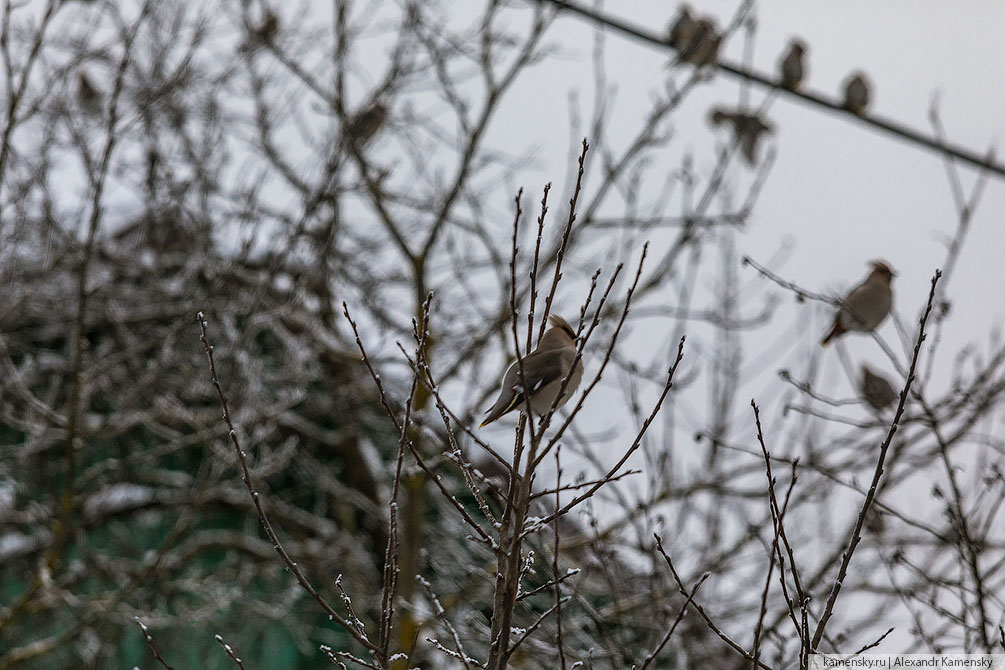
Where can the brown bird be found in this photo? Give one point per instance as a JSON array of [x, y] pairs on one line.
[[683, 29], [792, 69], [544, 370], [88, 95], [261, 33], [703, 47], [268, 28], [876, 390], [867, 305], [747, 130], [856, 93], [365, 124]]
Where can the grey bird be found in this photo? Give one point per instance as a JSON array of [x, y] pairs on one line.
[[856, 93], [876, 390], [747, 130], [683, 29], [365, 124], [865, 307], [792, 68], [544, 370], [703, 47]]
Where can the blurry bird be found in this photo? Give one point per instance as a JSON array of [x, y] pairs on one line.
[[792, 69], [875, 522], [544, 370], [88, 95], [268, 28], [365, 124], [703, 47], [747, 130], [876, 390], [856, 93], [683, 29], [153, 165], [261, 33], [867, 305]]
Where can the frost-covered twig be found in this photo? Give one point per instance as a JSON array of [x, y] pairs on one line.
[[150, 643], [256, 500]]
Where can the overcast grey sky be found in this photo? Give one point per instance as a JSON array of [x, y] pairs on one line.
[[840, 193]]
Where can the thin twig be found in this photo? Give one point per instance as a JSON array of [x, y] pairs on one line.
[[150, 643], [874, 644], [256, 500], [415, 452], [778, 521], [565, 241], [635, 444], [856, 536], [701, 610], [680, 615], [230, 652], [442, 616]]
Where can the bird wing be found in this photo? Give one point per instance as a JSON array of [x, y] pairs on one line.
[[865, 307], [541, 368]]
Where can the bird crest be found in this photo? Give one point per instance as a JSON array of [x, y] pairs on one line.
[[558, 322]]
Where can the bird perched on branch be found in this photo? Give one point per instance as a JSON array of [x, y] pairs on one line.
[[747, 130], [269, 26], [867, 305], [876, 390], [856, 93], [544, 370], [703, 46], [365, 124], [88, 95], [261, 33], [683, 28], [792, 69]]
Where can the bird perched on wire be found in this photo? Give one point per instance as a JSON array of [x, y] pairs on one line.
[[544, 370], [856, 93], [867, 305], [792, 68], [364, 124], [747, 130], [703, 46], [88, 95], [683, 28], [876, 390]]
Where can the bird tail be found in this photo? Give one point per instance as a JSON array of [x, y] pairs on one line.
[[835, 331], [499, 409]]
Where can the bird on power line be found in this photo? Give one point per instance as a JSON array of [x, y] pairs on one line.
[[703, 47], [865, 307], [683, 28], [856, 93], [792, 68], [544, 371], [876, 390]]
